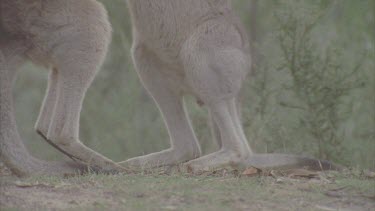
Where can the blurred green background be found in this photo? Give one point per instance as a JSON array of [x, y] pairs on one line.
[[311, 90]]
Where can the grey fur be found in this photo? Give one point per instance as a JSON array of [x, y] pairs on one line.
[[70, 38], [196, 47]]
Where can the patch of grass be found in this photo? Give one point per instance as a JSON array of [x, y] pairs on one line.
[[186, 192]]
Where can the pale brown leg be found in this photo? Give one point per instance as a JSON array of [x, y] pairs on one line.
[[184, 144]]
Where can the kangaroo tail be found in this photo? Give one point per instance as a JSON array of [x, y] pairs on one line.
[[288, 161]]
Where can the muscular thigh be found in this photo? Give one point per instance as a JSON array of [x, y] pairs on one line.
[[215, 65]]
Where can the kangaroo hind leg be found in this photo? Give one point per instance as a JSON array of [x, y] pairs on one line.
[[13, 151], [48, 106], [49, 102], [73, 76], [184, 145], [215, 77]]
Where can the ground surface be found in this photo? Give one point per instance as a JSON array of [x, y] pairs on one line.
[[353, 190]]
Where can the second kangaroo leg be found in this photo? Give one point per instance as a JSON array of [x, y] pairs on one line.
[[76, 58], [48, 105], [234, 149], [215, 77], [184, 145], [215, 131], [13, 152], [74, 77], [46, 112], [47, 109]]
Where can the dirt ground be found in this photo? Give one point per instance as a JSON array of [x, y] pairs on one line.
[[299, 190]]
